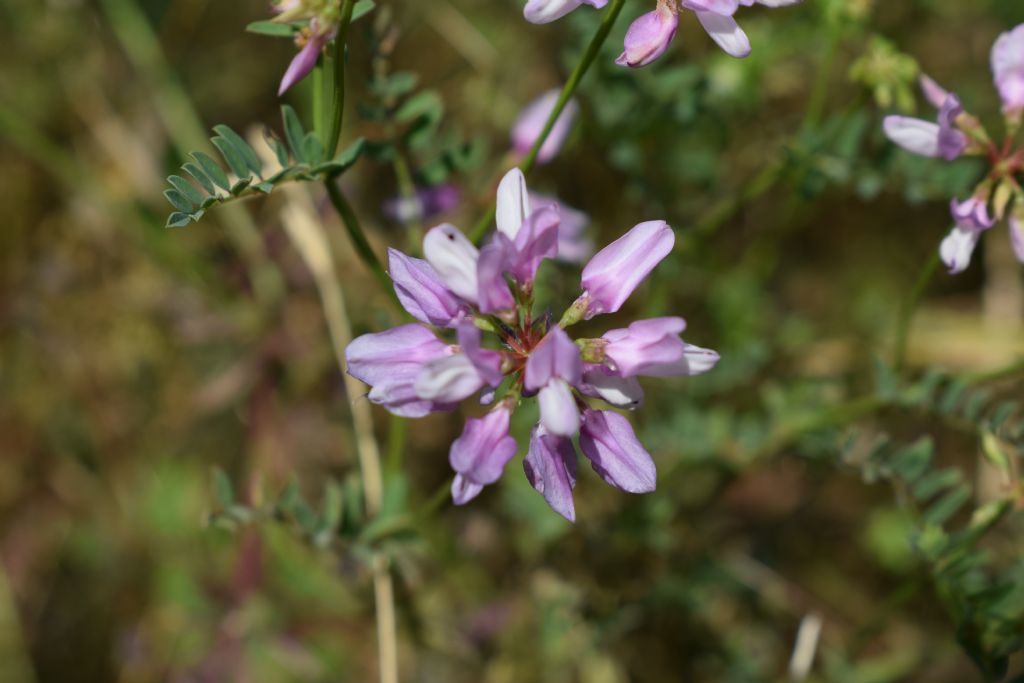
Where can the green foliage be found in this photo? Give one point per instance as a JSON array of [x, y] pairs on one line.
[[955, 533], [302, 159]]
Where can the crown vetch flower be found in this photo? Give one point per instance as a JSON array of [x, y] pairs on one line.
[[650, 34], [412, 372], [653, 348], [958, 133], [324, 19]]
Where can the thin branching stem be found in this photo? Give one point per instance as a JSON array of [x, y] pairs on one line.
[[586, 60], [910, 307]]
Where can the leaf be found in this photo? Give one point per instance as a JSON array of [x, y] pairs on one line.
[[231, 155], [947, 506], [280, 151], [293, 131], [396, 85], [912, 462], [240, 186], [247, 153], [425, 110], [200, 177], [186, 189], [178, 201], [178, 220], [995, 451], [213, 170], [345, 159], [362, 8], [223, 491], [273, 28], [932, 483], [312, 149]]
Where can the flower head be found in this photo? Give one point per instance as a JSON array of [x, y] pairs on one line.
[[412, 372], [957, 133]]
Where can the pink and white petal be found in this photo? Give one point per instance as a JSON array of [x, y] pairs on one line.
[[558, 412], [726, 32], [513, 203], [914, 135], [1017, 236], [957, 248]]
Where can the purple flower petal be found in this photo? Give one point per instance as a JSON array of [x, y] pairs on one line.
[[726, 32], [1008, 68], [422, 293], [608, 440], [555, 357], [621, 392], [550, 467], [479, 456], [513, 203], [301, 65], [487, 362], [391, 361], [1017, 236], [617, 270]]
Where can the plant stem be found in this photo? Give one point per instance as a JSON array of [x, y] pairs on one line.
[[593, 49], [339, 78], [909, 307], [358, 237]]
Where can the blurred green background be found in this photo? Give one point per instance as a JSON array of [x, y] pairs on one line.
[[179, 496]]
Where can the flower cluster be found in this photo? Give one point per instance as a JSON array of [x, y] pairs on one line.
[[650, 35], [324, 17], [956, 133], [412, 372]]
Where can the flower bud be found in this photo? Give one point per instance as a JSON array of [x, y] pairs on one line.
[[649, 36], [531, 122]]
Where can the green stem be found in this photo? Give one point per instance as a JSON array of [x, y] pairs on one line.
[[318, 99], [338, 111], [593, 49], [907, 312], [358, 237]]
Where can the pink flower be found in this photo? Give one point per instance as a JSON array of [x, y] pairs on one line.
[[956, 133], [1008, 69], [412, 372], [530, 124], [650, 35]]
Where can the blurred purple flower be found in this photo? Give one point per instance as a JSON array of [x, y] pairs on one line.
[[530, 124], [428, 203], [1008, 69], [411, 372]]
